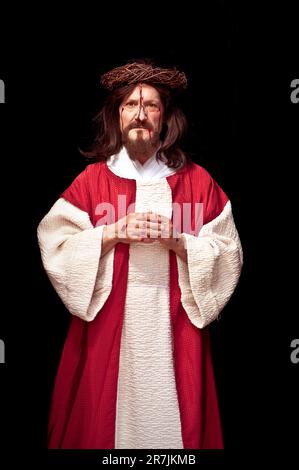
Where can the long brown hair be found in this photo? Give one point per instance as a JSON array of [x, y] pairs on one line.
[[108, 138]]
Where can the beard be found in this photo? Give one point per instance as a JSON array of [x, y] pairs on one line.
[[140, 146]]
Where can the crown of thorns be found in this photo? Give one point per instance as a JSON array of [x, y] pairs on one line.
[[143, 73]]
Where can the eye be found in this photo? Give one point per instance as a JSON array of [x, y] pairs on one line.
[[130, 105], [152, 106]]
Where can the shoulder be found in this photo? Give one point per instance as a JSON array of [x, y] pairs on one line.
[[199, 177], [199, 174], [206, 190], [93, 169], [78, 193], [90, 175]]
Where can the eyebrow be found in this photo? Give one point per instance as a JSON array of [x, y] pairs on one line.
[[154, 100]]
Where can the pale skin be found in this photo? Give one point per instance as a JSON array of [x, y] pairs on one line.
[[143, 107]]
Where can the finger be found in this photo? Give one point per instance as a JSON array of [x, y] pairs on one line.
[[132, 231], [150, 229], [160, 218], [149, 225], [166, 229], [141, 215], [154, 217], [133, 238], [149, 216], [148, 240], [135, 227], [165, 219], [143, 232], [166, 234], [142, 227], [154, 234]]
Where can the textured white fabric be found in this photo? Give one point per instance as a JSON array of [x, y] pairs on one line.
[[70, 249], [213, 268], [153, 169], [147, 406]]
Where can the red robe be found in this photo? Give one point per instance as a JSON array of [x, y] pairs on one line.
[[83, 409]]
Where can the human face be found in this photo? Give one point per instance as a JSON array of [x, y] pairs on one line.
[[141, 115]]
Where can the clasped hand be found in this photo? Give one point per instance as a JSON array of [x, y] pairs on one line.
[[145, 227]]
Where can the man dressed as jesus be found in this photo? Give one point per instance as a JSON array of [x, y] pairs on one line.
[[143, 251]]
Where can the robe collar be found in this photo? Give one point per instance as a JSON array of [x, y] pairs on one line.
[[122, 165]]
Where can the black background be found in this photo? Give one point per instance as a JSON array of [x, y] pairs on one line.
[[242, 128]]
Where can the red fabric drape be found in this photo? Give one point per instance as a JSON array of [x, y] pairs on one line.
[[83, 409]]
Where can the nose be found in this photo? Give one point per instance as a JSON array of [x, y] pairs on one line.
[[141, 114]]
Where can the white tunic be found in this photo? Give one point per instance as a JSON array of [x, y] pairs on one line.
[[147, 405]]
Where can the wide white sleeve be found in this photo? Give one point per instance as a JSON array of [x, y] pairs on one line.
[[214, 262], [71, 249]]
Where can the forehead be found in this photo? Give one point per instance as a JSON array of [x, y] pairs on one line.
[[148, 93]]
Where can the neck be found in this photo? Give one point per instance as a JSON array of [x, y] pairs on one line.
[[143, 158]]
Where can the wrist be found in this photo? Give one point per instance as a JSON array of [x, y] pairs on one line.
[[179, 242], [180, 247], [109, 234]]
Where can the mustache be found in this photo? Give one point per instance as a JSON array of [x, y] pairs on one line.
[[136, 125]]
